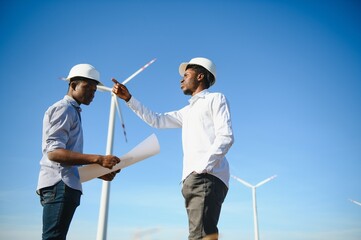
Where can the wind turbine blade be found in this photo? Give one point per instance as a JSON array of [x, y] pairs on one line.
[[104, 88], [265, 181], [355, 202], [242, 181], [142, 233], [120, 117], [137, 72]]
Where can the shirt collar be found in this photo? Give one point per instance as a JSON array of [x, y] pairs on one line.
[[199, 95], [72, 102]]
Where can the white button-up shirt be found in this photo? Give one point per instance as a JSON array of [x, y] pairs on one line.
[[206, 132], [61, 130]]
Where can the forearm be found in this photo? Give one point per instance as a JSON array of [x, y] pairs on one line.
[[153, 119], [72, 158]]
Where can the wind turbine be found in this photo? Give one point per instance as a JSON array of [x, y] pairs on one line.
[[141, 233], [255, 220], [104, 200], [355, 202]]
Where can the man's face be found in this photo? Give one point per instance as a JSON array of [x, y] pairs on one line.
[[84, 91], [190, 82]]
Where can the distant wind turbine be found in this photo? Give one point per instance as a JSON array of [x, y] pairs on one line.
[[355, 202], [141, 233], [255, 220], [104, 200]]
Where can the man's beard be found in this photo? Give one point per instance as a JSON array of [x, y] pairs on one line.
[[187, 92]]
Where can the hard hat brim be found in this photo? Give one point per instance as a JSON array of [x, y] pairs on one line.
[[68, 80]]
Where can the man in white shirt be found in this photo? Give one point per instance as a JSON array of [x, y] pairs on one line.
[[206, 138], [59, 184]]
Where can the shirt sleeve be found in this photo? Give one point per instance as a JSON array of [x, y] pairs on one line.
[[58, 123], [157, 120], [224, 138]]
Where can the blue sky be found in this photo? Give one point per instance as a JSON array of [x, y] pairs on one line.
[[291, 71]]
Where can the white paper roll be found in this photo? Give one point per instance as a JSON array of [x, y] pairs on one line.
[[149, 147]]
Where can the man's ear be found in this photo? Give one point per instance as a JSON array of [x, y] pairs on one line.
[[73, 85], [200, 76]]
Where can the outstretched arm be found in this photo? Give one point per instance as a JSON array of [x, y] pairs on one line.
[[158, 120]]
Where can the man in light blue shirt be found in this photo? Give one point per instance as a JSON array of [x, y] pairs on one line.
[[59, 184], [206, 138]]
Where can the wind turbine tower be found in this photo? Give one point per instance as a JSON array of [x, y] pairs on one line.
[[255, 220], [104, 199]]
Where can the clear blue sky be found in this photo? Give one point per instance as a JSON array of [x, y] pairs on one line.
[[291, 71]]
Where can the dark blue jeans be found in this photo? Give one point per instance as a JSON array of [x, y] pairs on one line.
[[204, 195], [59, 203]]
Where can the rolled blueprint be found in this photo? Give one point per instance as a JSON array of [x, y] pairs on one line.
[[149, 147]]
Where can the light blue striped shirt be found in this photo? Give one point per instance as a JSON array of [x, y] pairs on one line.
[[61, 130]]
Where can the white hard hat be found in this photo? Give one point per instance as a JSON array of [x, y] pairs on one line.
[[204, 62], [84, 70]]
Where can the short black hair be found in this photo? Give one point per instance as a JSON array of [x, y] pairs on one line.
[[208, 76], [79, 79]]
